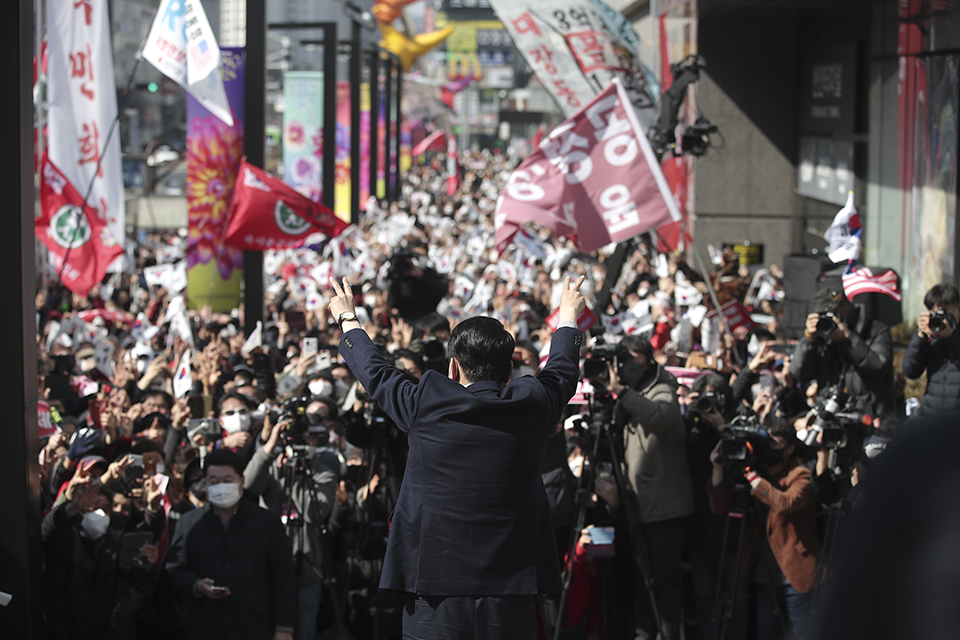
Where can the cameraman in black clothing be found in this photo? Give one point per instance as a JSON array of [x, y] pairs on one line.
[[841, 346], [935, 348]]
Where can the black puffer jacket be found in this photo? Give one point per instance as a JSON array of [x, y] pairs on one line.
[[941, 360], [862, 364]]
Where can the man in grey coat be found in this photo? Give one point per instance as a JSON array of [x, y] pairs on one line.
[[656, 465], [300, 491]]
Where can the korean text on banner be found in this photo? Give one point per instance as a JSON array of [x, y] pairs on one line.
[[82, 98], [575, 52], [595, 179]]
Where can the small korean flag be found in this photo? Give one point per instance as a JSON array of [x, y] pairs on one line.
[[182, 382]]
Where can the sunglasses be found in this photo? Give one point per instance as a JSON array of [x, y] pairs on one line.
[[230, 412]]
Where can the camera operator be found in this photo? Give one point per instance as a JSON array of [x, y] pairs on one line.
[[786, 558], [656, 460], [303, 502], [839, 347], [711, 408], [935, 348]]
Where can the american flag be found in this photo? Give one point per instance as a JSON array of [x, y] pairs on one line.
[[202, 53], [862, 280]]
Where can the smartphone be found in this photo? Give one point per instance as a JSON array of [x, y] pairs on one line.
[[150, 461], [605, 471], [93, 409], [195, 404], [218, 589], [310, 347], [137, 460], [767, 381]]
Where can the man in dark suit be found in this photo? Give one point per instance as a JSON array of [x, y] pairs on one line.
[[471, 541]]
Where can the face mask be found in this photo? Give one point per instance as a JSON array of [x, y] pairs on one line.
[[95, 524], [321, 388], [236, 422], [119, 521], [224, 495], [630, 372], [770, 457], [340, 388]]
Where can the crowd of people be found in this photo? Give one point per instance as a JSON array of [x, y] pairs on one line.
[[159, 481]]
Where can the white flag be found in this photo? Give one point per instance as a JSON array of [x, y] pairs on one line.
[[181, 45], [82, 98], [255, 340], [844, 234], [182, 381]]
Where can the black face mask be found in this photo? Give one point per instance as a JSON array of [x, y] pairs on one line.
[[631, 372], [770, 457], [119, 521]]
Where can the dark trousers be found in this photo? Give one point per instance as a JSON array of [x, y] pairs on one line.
[[469, 618], [664, 541]]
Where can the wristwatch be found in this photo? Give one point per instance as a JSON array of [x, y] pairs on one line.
[[346, 315]]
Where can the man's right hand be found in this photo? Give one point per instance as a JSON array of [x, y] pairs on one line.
[[810, 327], [572, 302], [236, 440], [205, 588]]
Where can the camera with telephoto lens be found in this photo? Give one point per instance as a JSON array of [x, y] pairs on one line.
[[826, 324], [708, 402], [940, 320], [741, 440], [836, 425]]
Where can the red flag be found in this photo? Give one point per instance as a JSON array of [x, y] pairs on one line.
[[266, 213], [453, 167], [433, 142], [675, 235], [595, 179], [666, 73], [62, 227], [585, 320]]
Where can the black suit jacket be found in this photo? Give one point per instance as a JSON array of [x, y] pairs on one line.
[[251, 556], [472, 517]]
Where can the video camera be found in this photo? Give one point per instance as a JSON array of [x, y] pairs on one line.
[[595, 365], [940, 320], [837, 425], [295, 410], [741, 440]]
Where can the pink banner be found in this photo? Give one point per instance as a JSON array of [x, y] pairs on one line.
[[594, 179]]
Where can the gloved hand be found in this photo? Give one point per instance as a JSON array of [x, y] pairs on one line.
[[84, 443]]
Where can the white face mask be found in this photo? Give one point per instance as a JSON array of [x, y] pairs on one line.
[[321, 388], [95, 524], [224, 495], [236, 422]]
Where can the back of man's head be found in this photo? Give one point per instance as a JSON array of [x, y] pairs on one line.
[[483, 349], [941, 294]]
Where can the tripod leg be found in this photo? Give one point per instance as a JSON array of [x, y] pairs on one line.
[[727, 599], [777, 605]]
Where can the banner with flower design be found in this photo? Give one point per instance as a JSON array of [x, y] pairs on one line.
[[214, 151], [303, 132]]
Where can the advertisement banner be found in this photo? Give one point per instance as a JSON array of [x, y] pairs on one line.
[[303, 132], [364, 144], [82, 98], [214, 151], [342, 182], [574, 53]]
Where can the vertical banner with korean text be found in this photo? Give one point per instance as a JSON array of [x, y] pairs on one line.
[[82, 97], [214, 151], [303, 132]]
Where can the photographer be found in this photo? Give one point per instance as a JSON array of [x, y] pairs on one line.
[[302, 496], [935, 348], [656, 459], [841, 348], [786, 558]]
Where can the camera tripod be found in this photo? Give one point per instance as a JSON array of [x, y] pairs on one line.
[[297, 479], [601, 417], [726, 599]]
